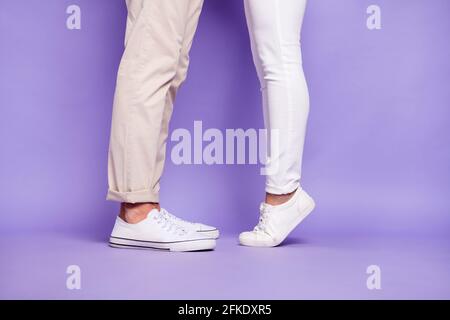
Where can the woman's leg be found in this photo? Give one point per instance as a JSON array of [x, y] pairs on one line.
[[159, 35], [274, 27]]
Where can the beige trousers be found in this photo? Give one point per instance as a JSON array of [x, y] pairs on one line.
[[157, 42]]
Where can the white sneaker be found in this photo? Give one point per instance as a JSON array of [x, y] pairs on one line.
[[276, 222], [204, 229], [157, 231]]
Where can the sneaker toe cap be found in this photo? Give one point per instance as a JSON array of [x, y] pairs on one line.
[[256, 239]]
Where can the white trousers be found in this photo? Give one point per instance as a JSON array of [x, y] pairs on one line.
[[274, 27]]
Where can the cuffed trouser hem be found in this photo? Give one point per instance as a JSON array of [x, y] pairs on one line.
[[282, 190], [133, 197]]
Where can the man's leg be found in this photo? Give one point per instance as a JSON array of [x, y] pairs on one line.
[[136, 212], [148, 77], [154, 38]]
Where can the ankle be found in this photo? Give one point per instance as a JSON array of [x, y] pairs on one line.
[[278, 199], [136, 212]]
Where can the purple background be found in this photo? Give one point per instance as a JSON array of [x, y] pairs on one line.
[[377, 153]]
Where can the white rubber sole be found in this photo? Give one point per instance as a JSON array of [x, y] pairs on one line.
[[180, 246], [214, 234], [261, 243]]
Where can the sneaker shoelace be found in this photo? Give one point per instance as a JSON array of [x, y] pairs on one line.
[[173, 217], [168, 224], [262, 225]]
